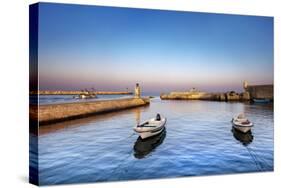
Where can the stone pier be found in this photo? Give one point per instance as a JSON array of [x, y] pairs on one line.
[[250, 92], [52, 113]]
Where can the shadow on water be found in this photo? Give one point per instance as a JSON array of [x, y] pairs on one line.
[[143, 147], [244, 138], [45, 129], [247, 138]]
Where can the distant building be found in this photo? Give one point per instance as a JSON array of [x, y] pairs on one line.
[[259, 91]]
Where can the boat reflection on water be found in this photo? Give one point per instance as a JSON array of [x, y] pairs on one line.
[[143, 147], [244, 138]]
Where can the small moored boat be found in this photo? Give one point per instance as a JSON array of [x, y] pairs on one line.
[[261, 100], [87, 96], [151, 127], [241, 123]]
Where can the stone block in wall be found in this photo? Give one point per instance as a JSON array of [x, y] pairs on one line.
[[232, 96], [245, 96], [222, 97]]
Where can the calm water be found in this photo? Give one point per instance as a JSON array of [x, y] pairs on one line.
[[198, 140]]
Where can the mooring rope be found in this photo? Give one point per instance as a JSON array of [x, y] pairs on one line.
[[127, 154], [125, 137], [258, 166], [261, 163], [122, 162]]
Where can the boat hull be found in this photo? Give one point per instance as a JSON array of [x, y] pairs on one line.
[[147, 133], [244, 128]]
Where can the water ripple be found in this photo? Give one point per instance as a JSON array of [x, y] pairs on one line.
[[199, 140]]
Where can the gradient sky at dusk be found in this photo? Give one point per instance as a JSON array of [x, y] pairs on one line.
[[113, 48]]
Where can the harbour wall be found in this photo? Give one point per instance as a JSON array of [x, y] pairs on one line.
[[190, 96], [52, 113], [80, 92], [250, 92], [260, 91], [228, 96]]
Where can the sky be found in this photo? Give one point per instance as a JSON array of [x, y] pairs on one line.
[[113, 48]]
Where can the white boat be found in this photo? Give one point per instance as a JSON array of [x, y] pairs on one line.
[[241, 123], [85, 96], [150, 127]]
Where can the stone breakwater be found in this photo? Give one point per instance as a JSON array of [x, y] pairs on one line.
[[52, 113], [195, 95], [261, 91], [250, 92], [80, 92]]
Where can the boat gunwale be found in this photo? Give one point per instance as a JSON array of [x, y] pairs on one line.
[[243, 125], [154, 130]]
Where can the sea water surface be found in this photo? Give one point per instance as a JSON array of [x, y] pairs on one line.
[[198, 140]]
